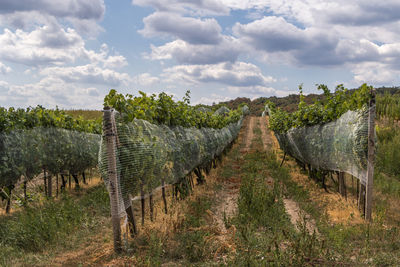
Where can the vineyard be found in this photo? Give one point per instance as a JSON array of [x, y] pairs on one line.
[[39, 141], [195, 185]]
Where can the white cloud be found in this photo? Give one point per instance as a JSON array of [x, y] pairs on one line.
[[213, 99], [4, 69], [371, 12], [259, 91], [189, 7], [89, 73], [25, 20], [321, 33], [145, 79], [28, 14], [52, 45], [81, 9], [185, 53], [375, 73], [45, 45], [272, 34], [233, 74], [103, 57], [191, 30], [91, 91], [253, 90], [86, 27], [50, 92]]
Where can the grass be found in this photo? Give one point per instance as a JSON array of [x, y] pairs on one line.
[[260, 234], [374, 244], [265, 235], [41, 226], [86, 114], [187, 243]]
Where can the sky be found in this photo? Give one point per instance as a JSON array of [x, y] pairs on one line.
[[70, 53]]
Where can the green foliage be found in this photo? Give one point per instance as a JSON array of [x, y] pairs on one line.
[[85, 113], [197, 209], [162, 109], [35, 138], [21, 119], [388, 106], [388, 156], [265, 236], [38, 226], [321, 111]]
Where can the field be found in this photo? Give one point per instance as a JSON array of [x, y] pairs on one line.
[[255, 208]]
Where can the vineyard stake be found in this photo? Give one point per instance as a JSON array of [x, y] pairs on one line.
[[151, 204], [163, 196], [56, 185], [371, 157], [50, 185], [108, 129], [131, 218], [283, 160], [142, 201], [45, 182]]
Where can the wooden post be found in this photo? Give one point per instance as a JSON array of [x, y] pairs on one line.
[[163, 196], [352, 184], [108, 126], [371, 157], [56, 185], [357, 192], [283, 160], [45, 182], [25, 195], [344, 189], [151, 205], [361, 199], [341, 183], [131, 218], [8, 206], [142, 201], [50, 185]]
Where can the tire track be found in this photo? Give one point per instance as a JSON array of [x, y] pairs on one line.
[[296, 214]]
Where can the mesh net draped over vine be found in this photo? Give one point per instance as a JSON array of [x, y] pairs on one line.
[[26, 152], [149, 154], [340, 145]]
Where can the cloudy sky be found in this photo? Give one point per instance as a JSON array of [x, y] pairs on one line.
[[71, 52]]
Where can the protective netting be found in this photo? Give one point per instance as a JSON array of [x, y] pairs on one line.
[[150, 155], [27, 152], [245, 110], [222, 111], [340, 145], [204, 109]]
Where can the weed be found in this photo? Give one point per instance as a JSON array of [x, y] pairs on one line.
[[38, 226]]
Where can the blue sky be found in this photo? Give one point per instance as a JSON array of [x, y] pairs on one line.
[[70, 53]]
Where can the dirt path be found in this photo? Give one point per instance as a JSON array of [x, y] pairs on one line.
[[249, 133], [266, 136], [228, 195], [297, 216]]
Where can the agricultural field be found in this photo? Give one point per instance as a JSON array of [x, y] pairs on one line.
[[200, 186]]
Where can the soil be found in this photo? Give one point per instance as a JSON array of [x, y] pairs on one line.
[[338, 209], [97, 250]]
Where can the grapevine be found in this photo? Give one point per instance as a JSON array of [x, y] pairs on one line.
[[329, 109], [162, 109], [37, 139]]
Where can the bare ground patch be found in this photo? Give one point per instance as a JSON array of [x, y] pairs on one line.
[[338, 209]]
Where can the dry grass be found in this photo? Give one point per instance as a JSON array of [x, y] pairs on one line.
[[338, 209], [98, 250]]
